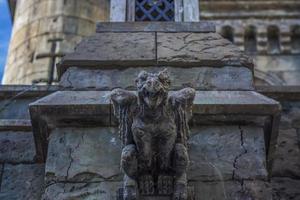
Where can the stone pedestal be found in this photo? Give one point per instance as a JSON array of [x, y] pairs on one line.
[[234, 129]]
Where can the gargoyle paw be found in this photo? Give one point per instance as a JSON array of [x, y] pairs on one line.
[[180, 192], [130, 193]]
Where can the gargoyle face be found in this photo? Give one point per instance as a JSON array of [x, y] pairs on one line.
[[153, 88]]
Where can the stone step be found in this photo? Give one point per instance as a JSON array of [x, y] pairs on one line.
[[133, 47], [195, 27]]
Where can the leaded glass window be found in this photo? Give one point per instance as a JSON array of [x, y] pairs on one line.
[[154, 10]]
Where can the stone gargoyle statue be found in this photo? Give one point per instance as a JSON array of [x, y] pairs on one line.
[[153, 126]]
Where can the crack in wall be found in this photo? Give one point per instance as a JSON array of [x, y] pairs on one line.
[[244, 151], [71, 151]]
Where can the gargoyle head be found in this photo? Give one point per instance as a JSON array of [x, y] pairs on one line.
[[153, 88]]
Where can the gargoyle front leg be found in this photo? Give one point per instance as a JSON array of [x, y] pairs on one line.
[[143, 140], [130, 191], [129, 166], [181, 162]]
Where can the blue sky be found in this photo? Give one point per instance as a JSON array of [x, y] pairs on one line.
[[5, 31]]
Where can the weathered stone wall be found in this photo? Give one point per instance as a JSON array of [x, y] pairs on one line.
[[286, 170], [21, 177], [37, 21], [285, 177], [231, 158]]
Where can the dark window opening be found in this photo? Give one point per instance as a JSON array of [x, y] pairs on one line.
[[250, 41], [154, 10], [295, 39], [273, 40], [227, 33]]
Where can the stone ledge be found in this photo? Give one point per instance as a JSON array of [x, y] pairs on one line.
[[97, 103], [21, 91], [15, 125], [197, 27], [281, 93], [93, 108]]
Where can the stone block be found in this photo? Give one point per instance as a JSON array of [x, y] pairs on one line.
[[287, 155], [83, 154], [15, 109], [285, 188], [234, 102], [72, 191], [22, 182], [82, 108], [17, 147], [116, 49], [202, 78], [220, 153], [199, 49], [232, 190], [198, 27]]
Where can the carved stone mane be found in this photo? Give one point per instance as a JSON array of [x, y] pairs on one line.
[[154, 130]]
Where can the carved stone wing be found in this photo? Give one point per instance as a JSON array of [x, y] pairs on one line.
[[124, 103], [182, 102]]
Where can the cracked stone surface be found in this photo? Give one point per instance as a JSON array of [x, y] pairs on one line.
[[117, 48], [287, 155], [285, 188], [208, 49], [202, 78], [233, 190], [83, 154], [17, 147], [22, 182], [227, 153], [82, 191]]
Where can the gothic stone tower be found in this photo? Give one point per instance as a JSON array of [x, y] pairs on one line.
[[44, 30]]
